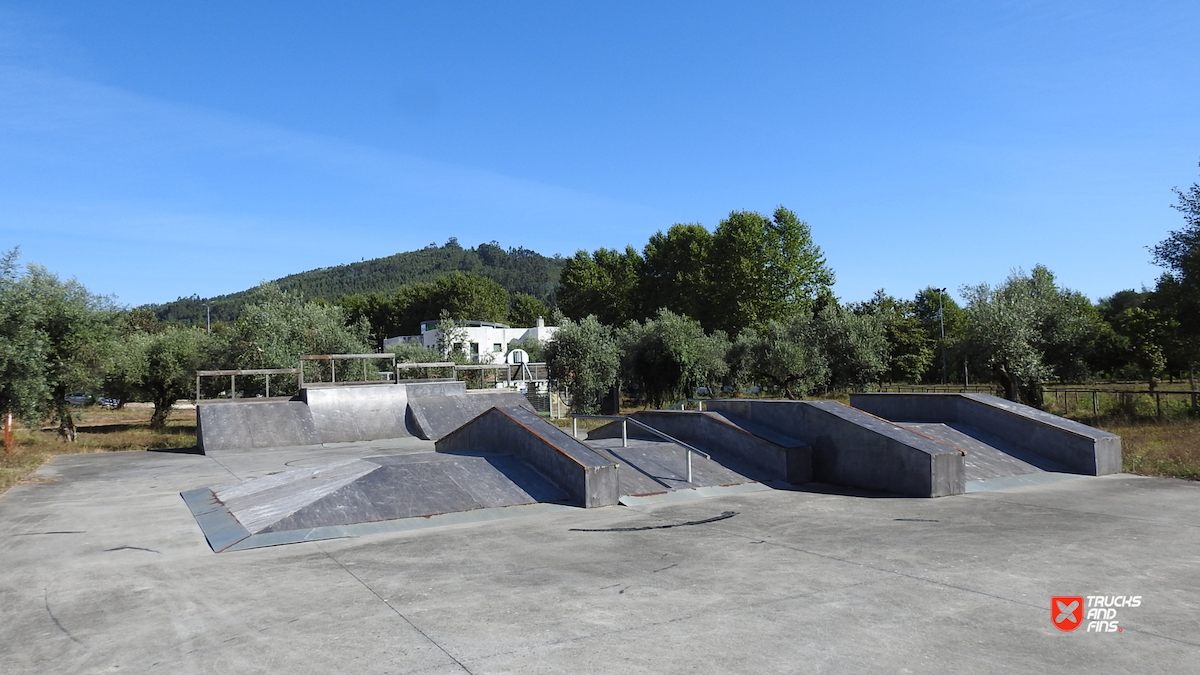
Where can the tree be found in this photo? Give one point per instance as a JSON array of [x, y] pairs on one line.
[[526, 310], [764, 269], [604, 284], [1179, 253], [280, 327], [855, 346], [670, 356], [676, 272], [24, 388], [1177, 295], [55, 338], [583, 358], [1028, 330], [451, 338], [911, 350], [785, 354], [938, 313], [161, 367]]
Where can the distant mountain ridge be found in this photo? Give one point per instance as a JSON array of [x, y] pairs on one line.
[[518, 270]]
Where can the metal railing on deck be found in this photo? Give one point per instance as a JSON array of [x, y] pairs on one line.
[[626, 421], [683, 405]]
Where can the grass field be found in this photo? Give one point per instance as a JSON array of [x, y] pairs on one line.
[[99, 430], [1151, 447]]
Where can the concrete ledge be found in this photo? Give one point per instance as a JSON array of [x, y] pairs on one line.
[[1077, 447], [587, 478], [854, 449]]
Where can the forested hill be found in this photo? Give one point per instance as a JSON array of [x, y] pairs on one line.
[[519, 270]]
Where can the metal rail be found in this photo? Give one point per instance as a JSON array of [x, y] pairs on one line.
[[682, 405], [688, 448]]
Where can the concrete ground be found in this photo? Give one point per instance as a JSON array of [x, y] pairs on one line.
[[103, 569]]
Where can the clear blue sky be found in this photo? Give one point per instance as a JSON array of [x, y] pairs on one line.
[[156, 150]]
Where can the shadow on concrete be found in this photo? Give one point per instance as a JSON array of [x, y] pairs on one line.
[[839, 490], [194, 450]]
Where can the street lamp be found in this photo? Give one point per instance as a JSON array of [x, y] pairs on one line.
[[208, 317], [942, 323]]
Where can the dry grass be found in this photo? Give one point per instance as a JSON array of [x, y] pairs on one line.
[[1169, 448], [99, 430]]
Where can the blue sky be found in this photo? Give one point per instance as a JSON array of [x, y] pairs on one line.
[[155, 150]]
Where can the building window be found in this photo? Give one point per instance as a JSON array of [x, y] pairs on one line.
[[497, 347]]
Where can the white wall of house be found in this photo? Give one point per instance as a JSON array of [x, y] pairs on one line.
[[487, 342]]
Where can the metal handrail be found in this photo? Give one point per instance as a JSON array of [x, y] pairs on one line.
[[625, 436], [682, 405]]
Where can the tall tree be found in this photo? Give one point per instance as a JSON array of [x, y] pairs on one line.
[[604, 284], [526, 310], [676, 272], [764, 269], [785, 354], [855, 345], [1177, 295]]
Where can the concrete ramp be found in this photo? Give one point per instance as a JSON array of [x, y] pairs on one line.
[[854, 449], [1001, 438], [588, 478], [253, 423], [334, 499], [434, 417], [752, 450], [364, 413]]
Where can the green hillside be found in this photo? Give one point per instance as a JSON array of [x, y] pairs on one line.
[[519, 270]]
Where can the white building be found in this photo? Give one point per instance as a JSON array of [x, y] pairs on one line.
[[485, 342]]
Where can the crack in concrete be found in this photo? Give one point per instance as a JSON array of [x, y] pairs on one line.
[[46, 600], [396, 611]]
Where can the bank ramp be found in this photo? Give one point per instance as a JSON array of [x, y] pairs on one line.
[[1004, 443]]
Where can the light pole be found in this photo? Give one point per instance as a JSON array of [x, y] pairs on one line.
[[207, 316], [942, 323]]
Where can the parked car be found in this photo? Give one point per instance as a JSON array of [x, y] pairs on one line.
[[77, 398], [108, 402]]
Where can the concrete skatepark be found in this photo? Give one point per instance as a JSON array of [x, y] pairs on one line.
[[739, 570], [492, 451]]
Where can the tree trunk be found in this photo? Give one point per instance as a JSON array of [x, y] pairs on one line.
[[66, 424], [159, 419], [1012, 388]]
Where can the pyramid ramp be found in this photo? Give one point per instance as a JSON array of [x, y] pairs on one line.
[[434, 417], [360, 496]]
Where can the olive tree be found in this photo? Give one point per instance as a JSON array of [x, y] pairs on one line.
[[670, 356], [583, 358], [55, 337]]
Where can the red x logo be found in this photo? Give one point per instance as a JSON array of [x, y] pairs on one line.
[[1066, 611]]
